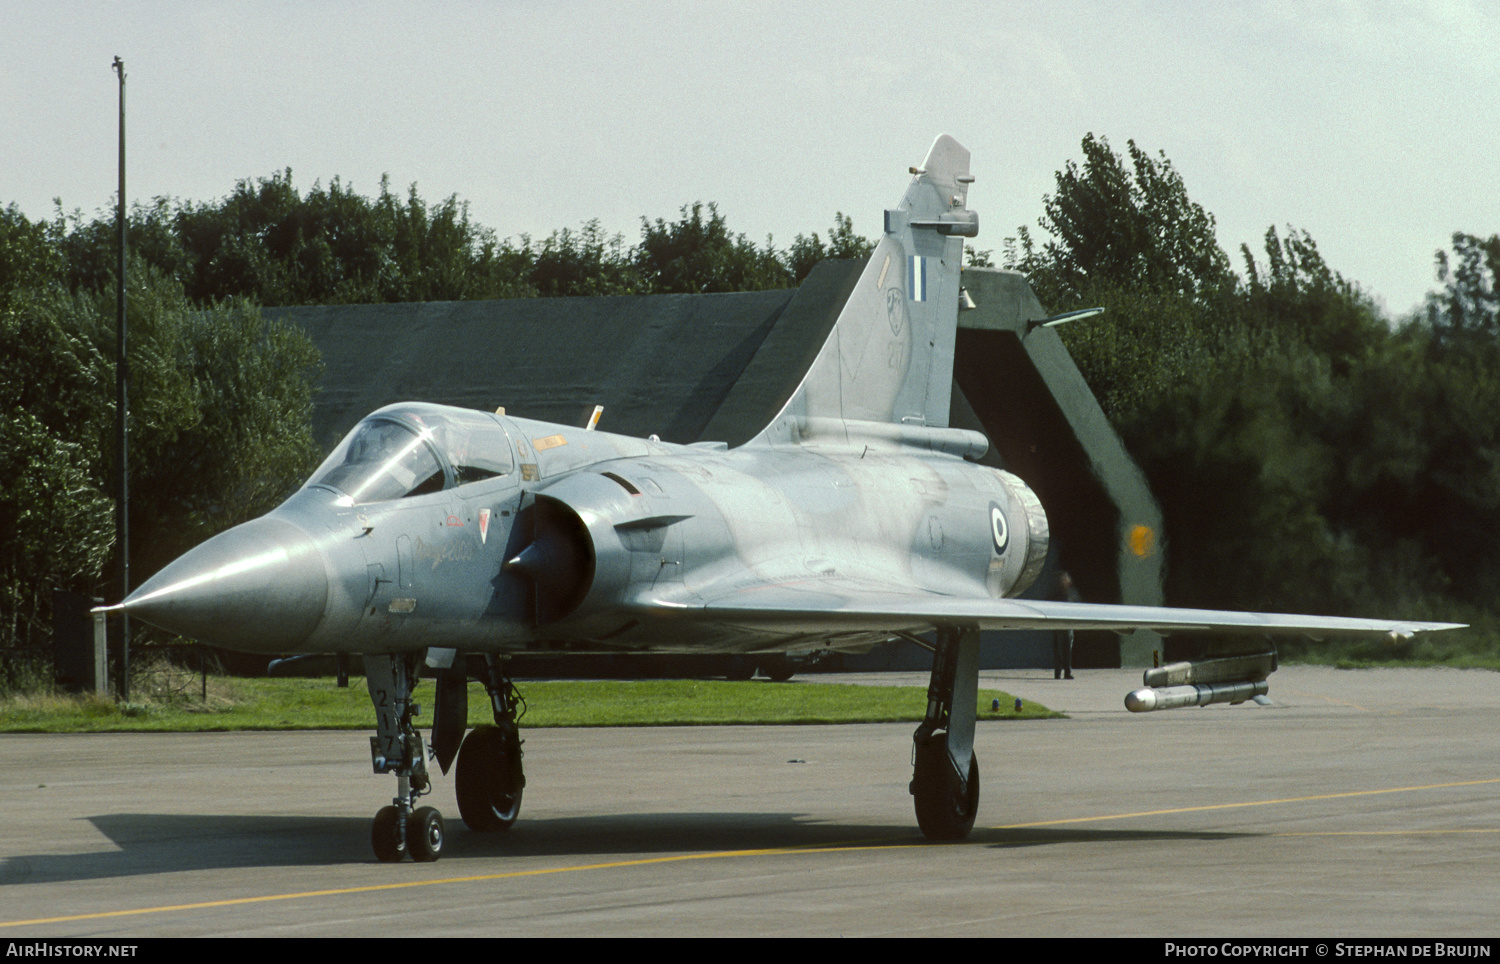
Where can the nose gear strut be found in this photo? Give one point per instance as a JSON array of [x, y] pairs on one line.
[[397, 748]]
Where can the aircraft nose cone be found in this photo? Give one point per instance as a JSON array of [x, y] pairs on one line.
[[261, 586]]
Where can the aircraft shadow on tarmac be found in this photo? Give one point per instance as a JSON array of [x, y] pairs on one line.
[[170, 843]]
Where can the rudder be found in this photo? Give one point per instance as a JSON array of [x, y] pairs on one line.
[[889, 357]]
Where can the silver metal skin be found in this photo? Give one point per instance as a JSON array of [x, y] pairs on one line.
[[1229, 669], [856, 517], [1196, 694]]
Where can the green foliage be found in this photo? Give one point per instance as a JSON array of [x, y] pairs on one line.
[[1145, 344], [585, 262], [807, 250], [1133, 228], [59, 529], [1307, 455], [1295, 293], [221, 409], [1469, 304], [333, 246], [979, 259], [698, 255], [29, 253], [268, 243], [57, 518], [219, 432], [1321, 461]]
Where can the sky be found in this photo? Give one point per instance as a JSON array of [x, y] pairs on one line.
[[1369, 124]]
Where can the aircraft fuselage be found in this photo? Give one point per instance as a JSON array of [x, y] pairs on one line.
[[588, 541]]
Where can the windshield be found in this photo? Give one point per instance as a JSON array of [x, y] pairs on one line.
[[411, 449], [381, 460]]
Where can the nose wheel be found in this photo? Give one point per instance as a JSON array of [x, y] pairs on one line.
[[388, 835], [424, 835], [393, 836]]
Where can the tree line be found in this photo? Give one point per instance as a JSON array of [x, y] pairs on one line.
[[1309, 454], [332, 245]]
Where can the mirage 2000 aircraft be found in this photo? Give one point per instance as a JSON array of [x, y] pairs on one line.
[[857, 517]]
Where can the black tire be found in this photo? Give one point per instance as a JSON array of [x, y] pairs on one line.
[[943, 812], [424, 835], [488, 783], [385, 836], [779, 670], [739, 669]]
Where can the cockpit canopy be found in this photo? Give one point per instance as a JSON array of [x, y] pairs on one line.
[[412, 449]]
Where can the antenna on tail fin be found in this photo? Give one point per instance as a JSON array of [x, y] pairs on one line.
[[889, 357]]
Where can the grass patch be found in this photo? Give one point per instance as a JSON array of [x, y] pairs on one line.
[[317, 704], [709, 702]]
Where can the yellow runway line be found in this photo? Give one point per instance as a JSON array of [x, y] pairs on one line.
[[1249, 803], [373, 888], [763, 852]]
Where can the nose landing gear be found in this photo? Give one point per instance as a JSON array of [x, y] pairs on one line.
[[397, 748]]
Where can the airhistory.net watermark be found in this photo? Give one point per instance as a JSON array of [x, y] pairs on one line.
[[67, 949]]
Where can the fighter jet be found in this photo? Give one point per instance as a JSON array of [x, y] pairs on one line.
[[455, 538]]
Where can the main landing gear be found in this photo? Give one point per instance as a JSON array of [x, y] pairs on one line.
[[945, 778], [489, 778]]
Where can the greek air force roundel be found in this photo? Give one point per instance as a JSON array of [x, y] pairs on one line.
[[999, 531]]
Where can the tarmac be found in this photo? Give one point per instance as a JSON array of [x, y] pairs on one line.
[[1360, 804]]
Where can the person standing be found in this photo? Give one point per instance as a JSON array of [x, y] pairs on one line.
[[1062, 639]]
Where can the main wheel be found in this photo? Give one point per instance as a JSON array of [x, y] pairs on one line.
[[944, 811], [424, 835], [739, 668], [385, 836], [779, 669], [489, 781]]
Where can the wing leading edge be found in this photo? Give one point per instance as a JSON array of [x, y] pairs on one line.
[[820, 607]]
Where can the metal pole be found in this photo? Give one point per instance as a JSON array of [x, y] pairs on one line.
[[122, 409]]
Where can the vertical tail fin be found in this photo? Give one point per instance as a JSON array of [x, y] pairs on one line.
[[889, 357]]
